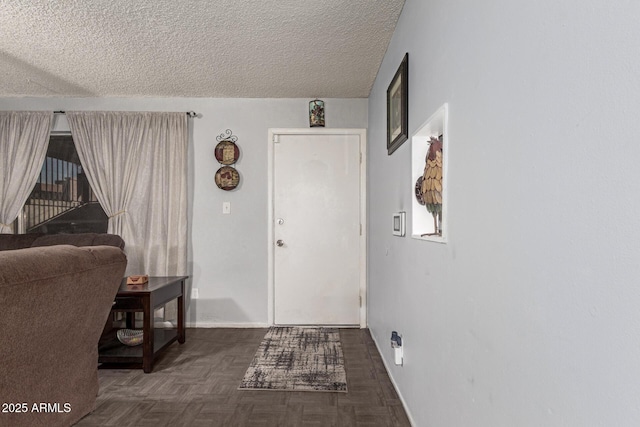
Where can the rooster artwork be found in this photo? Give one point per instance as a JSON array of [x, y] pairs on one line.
[[429, 185]]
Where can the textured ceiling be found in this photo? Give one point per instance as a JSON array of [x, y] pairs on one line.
[[177, 48]]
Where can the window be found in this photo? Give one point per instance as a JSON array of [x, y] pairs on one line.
[[62, 200]]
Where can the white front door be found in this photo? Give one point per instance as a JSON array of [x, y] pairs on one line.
[[316, 229]]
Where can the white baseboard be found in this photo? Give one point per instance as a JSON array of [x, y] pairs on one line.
[[225, 325], [393, 381]]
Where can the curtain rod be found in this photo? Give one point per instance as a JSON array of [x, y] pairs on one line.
[[191, 114]]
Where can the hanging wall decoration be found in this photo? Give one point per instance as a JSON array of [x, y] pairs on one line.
[[227, 154], [227, 178], [316, 113]]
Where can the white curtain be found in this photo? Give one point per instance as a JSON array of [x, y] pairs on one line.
[[136, 163], [24, 138]]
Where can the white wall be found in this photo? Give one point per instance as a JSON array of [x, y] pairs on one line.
[[228, 256], [529, 315]]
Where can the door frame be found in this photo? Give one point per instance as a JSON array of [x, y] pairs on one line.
[[274, 134]]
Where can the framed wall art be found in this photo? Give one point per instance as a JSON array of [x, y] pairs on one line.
[[398, 107]]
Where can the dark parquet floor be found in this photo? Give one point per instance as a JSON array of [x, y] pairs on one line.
[[196, 384]]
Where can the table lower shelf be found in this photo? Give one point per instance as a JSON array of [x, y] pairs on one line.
[[111, 350]]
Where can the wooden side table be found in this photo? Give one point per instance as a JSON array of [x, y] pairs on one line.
[[144, 299]]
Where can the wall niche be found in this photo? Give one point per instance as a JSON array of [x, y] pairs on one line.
[[429, 155]]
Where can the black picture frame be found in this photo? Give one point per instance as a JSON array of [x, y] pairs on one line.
[[398, 107]]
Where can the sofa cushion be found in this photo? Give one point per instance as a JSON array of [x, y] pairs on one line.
[[108, 240], [80, 239], [17, 241], [32, 240]]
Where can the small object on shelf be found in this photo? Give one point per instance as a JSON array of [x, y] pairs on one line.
[[316, 113], [429, 170], [432, 183], [130, 337], [227, 178], [419, 196], [137, 280]]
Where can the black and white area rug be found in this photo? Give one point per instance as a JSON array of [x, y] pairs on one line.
[[300, 359]]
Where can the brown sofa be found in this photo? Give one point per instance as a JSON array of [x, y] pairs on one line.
[[54, 301]]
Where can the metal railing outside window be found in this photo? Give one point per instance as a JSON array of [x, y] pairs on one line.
[[62, 200]]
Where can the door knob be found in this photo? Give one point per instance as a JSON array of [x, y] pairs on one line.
[[279, 243], [280, 221]]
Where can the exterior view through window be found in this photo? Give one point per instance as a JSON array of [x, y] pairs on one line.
[[62, 200]]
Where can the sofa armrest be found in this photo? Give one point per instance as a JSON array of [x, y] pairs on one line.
[[54, 302]]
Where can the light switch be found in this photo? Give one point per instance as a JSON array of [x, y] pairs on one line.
[[226, 207]]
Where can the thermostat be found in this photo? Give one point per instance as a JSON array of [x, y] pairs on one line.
[[399, 224]]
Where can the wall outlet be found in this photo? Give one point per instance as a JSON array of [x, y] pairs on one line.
[[398, 356], [398, 349], [226, 208], [194, 293]]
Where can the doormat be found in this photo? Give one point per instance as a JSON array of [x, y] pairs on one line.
[[298, 359]]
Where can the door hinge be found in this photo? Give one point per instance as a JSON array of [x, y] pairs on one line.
[[276, 138], [360, 300], [361, 229], [361, 157]]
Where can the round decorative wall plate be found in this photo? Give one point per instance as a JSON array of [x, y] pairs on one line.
[[227, 178], [227, 152]]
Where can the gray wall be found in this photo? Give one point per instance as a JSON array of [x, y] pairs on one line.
[[529, 315], [228, 255]]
